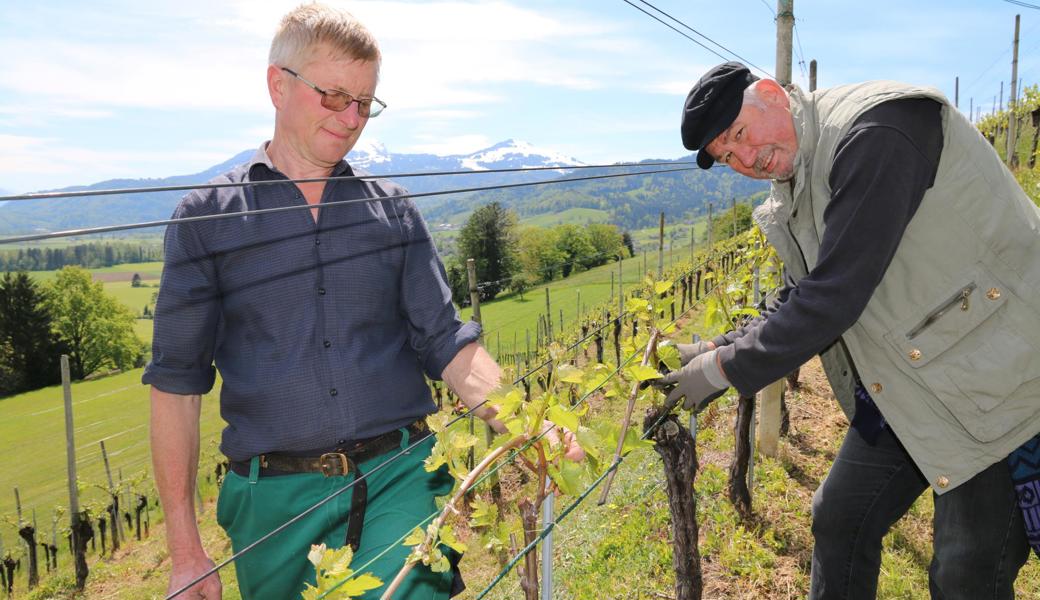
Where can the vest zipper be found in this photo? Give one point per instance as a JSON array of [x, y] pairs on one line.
[[960, 298]]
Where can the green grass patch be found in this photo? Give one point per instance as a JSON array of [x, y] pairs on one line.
[[510, 317], [114, 409], [572, 216]]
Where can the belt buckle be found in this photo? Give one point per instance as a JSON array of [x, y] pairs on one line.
[[332, 462]]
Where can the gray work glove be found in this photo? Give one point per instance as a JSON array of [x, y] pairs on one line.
[[688, 351], [700, 381]]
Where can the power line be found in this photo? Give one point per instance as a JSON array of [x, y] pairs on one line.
[[652, 16], [801, 54], [769, 8], [516, 452], [971, 85], [684, 25], [1023, 4], [263, 211], [213, 186]]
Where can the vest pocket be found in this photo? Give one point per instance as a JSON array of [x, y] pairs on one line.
[[969, 349]]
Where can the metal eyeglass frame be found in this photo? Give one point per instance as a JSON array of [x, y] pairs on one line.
[[326, 95]]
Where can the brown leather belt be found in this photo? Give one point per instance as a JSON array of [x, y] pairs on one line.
[[337, 462]]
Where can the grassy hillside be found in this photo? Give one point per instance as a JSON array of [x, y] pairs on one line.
[[571, 216], [622, 549], [511, 317]]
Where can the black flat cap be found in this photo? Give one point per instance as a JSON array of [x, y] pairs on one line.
[[712, 106]]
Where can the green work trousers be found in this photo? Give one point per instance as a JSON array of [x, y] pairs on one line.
[[400, 496]]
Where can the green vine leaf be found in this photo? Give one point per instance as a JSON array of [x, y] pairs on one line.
[[334, 576], [448, 539], [642, 372], [484, 515], [414, 538], [567, 475], [563, 417], [570, 374]]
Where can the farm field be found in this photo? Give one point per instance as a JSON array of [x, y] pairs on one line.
[[116, 280]]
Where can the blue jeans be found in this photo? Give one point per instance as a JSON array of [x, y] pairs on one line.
[[979, 541]]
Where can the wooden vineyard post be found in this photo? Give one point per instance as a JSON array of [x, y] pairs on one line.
[[660, 248], [77, 523], [769, 420]]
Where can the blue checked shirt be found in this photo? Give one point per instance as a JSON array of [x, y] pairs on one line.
[[322, 332]]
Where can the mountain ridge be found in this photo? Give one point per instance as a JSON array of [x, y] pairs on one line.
[[628, 199]]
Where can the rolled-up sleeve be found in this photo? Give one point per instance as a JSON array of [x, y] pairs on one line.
[[187, 311], [434, 328]]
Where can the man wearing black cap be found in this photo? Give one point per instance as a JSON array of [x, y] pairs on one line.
[[912, 254]]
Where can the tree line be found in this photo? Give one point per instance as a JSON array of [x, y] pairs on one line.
[[71, 315], [90, 256], [514, 258]]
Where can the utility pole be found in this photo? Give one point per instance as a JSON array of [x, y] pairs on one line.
[[1012, 156], [956, 92], [784, 33], [812, 75]]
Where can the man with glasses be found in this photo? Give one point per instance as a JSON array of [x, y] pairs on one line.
[[322, 323]]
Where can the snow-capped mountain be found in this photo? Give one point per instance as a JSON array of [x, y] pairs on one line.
[[512, 154], [373, 156]]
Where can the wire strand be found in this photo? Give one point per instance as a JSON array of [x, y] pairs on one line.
[[656, 18], [746, 61], [407, 450], [264, 211], [215, 186]]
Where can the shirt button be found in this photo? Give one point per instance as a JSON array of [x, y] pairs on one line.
[[317, 242], [327, 344], [875, 388], [333, 392], [321, 291]]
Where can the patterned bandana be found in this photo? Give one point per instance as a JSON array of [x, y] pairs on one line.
[[1025, 474]]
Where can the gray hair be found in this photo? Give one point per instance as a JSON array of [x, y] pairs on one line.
[[311, 24]]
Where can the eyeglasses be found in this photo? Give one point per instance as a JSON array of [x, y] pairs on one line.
[[338, 101]]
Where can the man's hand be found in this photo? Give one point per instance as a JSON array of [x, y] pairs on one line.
[[184, 573], [572, 450], [700, 381], [687, 352]]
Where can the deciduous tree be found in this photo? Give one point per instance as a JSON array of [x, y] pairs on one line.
[[97, 329]]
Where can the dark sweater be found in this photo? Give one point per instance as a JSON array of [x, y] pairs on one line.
[[881, 170]]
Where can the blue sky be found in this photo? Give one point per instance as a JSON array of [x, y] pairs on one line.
[[93, 90]]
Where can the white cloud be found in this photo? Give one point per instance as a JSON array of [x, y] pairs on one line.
[[432, 52], [458, 144], [26, 160]]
